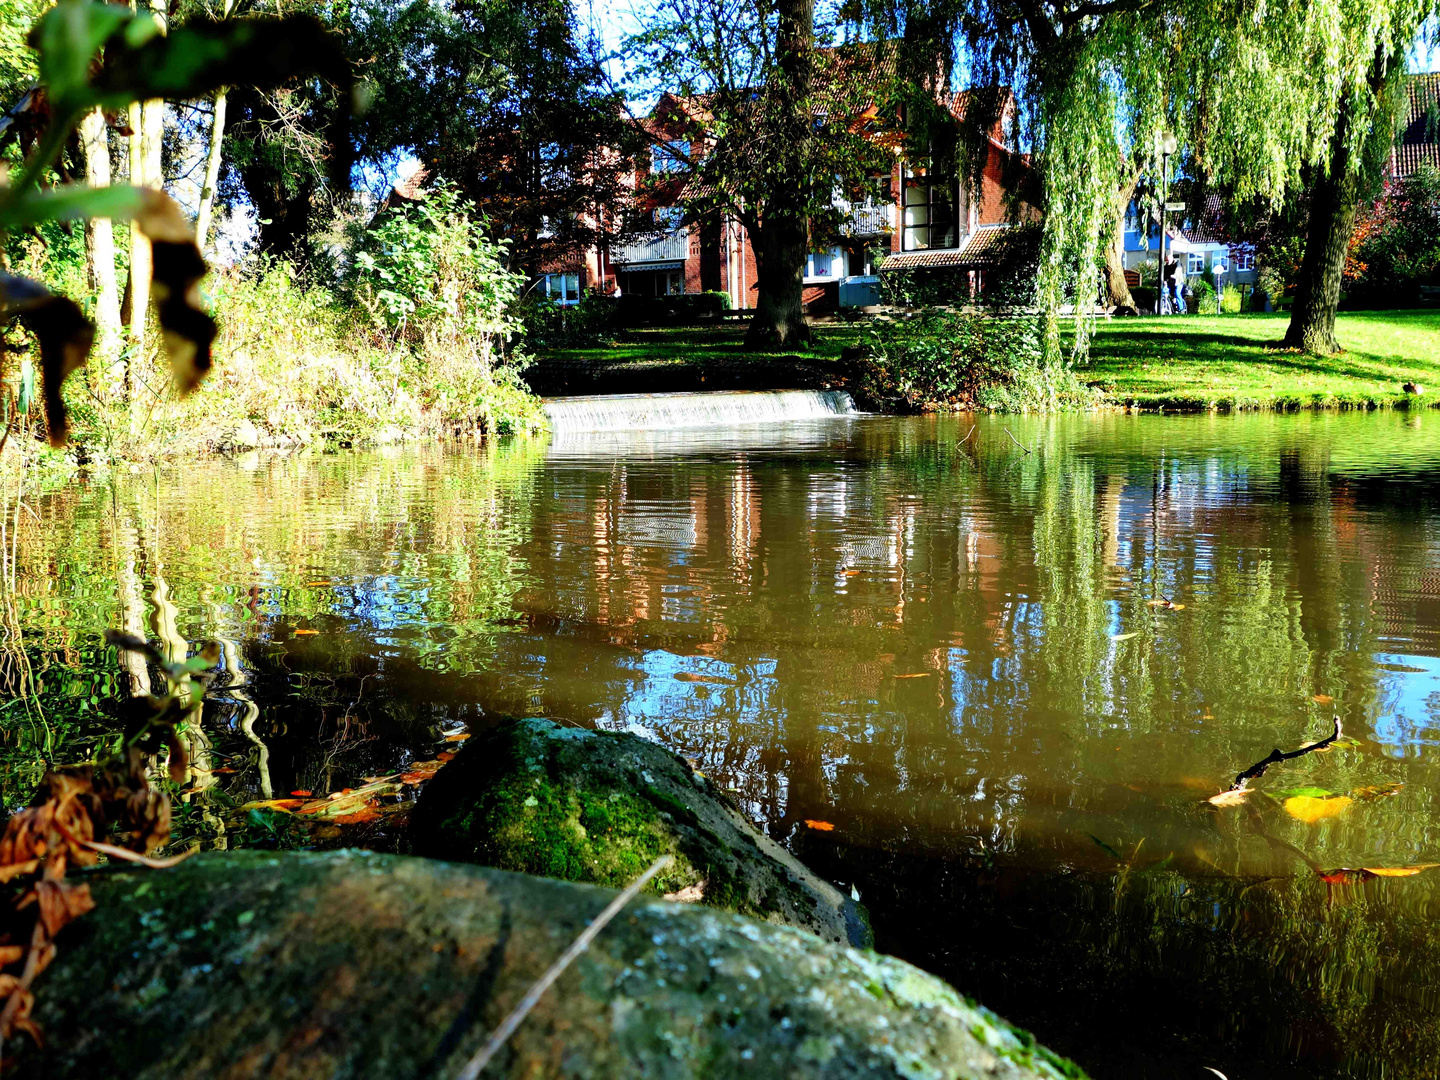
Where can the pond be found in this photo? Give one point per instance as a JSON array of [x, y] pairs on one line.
[[988, 673]]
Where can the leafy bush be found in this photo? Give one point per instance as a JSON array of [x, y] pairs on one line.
[[1396, 245], [436, 289], [550, 325], [1230, 301], [1202, 297], [969, 360]]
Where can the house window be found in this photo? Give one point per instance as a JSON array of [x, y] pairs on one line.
[[670, 156], [930, 206], [669, 217], [561, 288], [670, 283], [1195, 263], [822, 264], [1244, 260]]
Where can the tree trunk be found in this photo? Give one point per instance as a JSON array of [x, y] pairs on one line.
[[783, 238], [212, 173], [1117, 288], [137, 286], [1333, 201], [100, 251]]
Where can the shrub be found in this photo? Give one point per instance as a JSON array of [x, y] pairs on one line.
[[550, 325], [970, 360], [1230, 301], [1202, 297]]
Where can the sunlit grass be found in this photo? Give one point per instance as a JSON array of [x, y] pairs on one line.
[[1236, 362]]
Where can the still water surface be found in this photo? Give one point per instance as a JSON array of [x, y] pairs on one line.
[[945, 647]]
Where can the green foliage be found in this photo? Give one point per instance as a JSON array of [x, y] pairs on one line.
[[1230, 302], [1202, 297], [549, 325], [1398, 246], [971, 360], [436, 287]]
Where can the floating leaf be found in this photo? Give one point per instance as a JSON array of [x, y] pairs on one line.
[[456, 738], [694, 677], [1308, 792], [1311, 810], [317, 584], [1124, 637], [915, 675], [302, 793], [1230, 798], [1165, 604], [286, 805], [1345, 875], [1401, 871], [305, 632], [444, 756], [1322, 699], [820, 826]]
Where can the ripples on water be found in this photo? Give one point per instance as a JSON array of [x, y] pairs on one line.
[[943, 647]]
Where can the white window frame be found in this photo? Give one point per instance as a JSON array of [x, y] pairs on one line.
[[1194, 263], [836, 258], [562, 289], [1244, 260]]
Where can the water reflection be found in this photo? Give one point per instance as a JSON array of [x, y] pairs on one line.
[[945, 646]]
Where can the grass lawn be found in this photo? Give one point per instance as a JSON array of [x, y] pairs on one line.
[[1232, 361]]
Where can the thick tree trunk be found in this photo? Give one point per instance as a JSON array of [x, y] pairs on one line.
[[212, 173], [779, 319], [1116, 287], [1333, 202], [100, 252]]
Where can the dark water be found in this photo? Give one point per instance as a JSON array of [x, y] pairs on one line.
[[945, 649]]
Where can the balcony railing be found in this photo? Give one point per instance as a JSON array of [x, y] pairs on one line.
[[867, 219], [667, 248]]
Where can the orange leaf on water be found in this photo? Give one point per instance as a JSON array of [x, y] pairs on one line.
[[444, 756], [1230, 798], [359, 817], [1311, 810], [456, 738], [1345, 876], [303, 631], [1322, 699], [820, 826], [1401, 871], [302, 793]]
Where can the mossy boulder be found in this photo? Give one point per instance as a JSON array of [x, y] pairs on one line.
[[539, 798], [348, 965]]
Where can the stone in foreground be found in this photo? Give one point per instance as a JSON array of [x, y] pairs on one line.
[[536, 797], [355, 965]]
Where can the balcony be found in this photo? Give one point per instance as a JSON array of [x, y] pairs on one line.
[[667, 248], [866, 219]]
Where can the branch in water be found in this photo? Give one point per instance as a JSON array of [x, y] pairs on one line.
[[1258, 769]]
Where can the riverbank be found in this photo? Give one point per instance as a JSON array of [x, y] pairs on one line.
[[1193, 363], [1233, 362]]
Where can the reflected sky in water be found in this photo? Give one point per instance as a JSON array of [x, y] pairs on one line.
[[946, 646]]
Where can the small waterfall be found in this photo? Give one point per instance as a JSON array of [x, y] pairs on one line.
[[668, 412]]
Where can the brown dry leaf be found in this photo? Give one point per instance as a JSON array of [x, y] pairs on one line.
[[178, 268], [1311, 810], [1345, 876], [60, 902], [444, 756], [420, 772], [302, 793], [456, 738], [1322, 699], [820, 826], [10, 954], [359, 817], [274, 804], [690, 894]]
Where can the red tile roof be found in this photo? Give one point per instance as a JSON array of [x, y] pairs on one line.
[[981, 249]]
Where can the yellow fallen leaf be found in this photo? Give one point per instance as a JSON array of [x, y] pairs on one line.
[[1401, 871], [1322, 699], [303, 630], [316, 584], [1311, 810], [1124, 637], [820, 826]]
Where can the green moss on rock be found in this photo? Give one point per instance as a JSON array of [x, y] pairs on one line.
[[599, 807]]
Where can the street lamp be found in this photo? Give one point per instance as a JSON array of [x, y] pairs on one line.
[[1165, 145]]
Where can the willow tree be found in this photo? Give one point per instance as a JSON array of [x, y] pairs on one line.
[[1369, 94], [763, 124], [1248, 88]]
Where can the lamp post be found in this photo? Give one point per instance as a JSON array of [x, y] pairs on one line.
[[1166, 144]]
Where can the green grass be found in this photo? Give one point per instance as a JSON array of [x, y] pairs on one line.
[[699, 344], [1234, 362]]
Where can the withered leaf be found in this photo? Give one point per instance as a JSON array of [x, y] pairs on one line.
[[61, 901], [65, 337], [187, 329]]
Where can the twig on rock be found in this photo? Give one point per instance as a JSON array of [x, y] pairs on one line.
[[510, 1023]]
